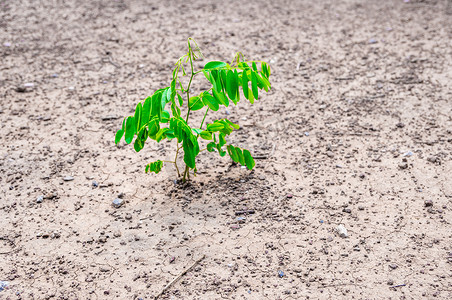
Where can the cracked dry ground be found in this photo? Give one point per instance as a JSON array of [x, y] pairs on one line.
[[356, 131]]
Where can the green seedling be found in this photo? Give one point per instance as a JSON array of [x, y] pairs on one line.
[[152, 119]]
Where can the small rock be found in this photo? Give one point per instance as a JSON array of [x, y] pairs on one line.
[[408, 154], [428, 203], [342, 231], [105, 269], [68, 178], [372, 41], [330, 154], [40, 199], [432, 159], [117, 233], [393, 266], [55, 235], [102, 239], [118, 202], [347, 210], [403, 166], [128, 216], [241, 220], [3, 285], [360, 207], [95, 184], [400, 125], [29, 84], [390, 282], [362, 175], [289, 196], [280, 274], [121, 195], [356, 248]]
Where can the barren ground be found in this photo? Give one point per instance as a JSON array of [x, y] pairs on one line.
[[357, 130]]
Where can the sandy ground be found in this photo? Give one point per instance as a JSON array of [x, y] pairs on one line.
[[357, 130]]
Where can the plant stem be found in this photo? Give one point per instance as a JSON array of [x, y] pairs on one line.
[[202, 123], [190, 55], [175, 160]]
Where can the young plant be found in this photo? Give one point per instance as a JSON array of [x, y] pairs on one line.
[[153, 120]]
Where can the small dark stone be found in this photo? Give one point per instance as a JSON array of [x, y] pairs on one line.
[[121, 195], [393, 266], [428, 203], [95, 184], [400, 125], [347, 210], [403, 166]]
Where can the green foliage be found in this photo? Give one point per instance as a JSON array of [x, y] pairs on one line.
[[159, 116]]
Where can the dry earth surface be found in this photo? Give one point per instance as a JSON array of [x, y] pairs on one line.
[[357, 130]]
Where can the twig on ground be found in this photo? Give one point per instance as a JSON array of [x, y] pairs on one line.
[[178, 277]]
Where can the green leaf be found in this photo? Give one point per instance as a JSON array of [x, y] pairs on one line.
[[130, 129], [156, 108], [155, 167], [146, 111], [206, 135], [137, 116], [195, 103], [138, 145], [165, 116], [235, 126], [254, 85], [220, 97], [161, 134], [223, 80], [154, 126], [222, 140], [216, 126], [118, 136], [210, 101], [211, 147], [196, 130], [181, 101], [245, 85], [214, 65], [240, 159], [249, 160], [232, 153], [231, 86], [254, 66]]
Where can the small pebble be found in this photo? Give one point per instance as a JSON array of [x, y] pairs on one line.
[[280, 274], [393, 266], [3, 285], [118, 202], [428, 203], [342, 231], [40, 199], [95, 184], [68, 178], [347, 210], [403, 166]]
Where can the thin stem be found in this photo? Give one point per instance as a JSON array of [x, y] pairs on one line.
[[190, 55], [175, 160], [202, 123]]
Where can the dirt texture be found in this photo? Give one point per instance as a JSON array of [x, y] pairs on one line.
[[357, 130]]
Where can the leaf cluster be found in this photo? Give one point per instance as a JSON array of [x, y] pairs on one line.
[[159, 116]]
